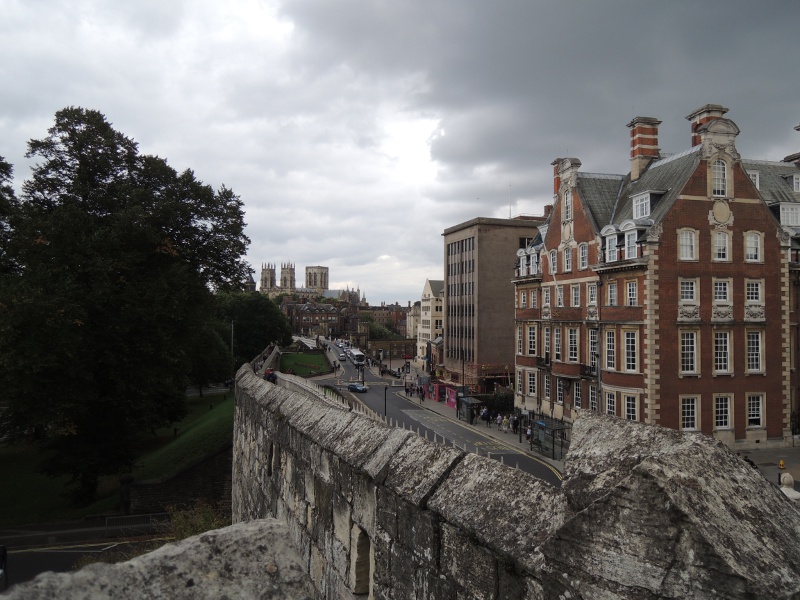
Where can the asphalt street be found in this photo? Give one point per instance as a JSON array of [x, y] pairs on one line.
[[437, 422]]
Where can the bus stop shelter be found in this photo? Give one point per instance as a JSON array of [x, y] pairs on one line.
[[550, 437], [469, 408]]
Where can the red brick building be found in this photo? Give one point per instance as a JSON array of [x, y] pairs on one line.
[[664, 295]]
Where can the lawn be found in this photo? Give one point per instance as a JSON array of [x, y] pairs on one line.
[[305, 365], [29, 497]]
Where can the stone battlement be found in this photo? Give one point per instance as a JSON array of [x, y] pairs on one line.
[[643, 512]]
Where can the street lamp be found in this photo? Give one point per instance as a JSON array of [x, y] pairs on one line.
[[384, 400]]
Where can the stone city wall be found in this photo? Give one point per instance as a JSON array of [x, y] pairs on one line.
[[644, 512]]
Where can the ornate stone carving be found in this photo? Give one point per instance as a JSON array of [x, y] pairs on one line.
[[591, 313], [546, 312], [722, 312], [566, 232], [754, 312], [654, 232], [720, 215], [688, 312]]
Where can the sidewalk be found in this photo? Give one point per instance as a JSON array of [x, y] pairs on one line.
[[510, 440], [767, 460]]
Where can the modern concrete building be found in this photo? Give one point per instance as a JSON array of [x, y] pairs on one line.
[[479, 300]]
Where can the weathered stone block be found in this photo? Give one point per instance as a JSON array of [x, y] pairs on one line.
[[342, 521], [364, 504], [252, 560], [386, 516], [465, 561], [410, 482]]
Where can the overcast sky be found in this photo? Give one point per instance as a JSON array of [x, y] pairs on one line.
[[356, 131]]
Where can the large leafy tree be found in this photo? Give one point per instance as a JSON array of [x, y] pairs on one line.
[[254, 323], [106, 299], [7, 203]]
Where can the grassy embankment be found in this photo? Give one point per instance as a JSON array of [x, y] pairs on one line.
[[305, 365], [29, 497]]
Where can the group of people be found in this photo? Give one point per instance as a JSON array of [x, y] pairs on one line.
[[505, 423], [413, 389]]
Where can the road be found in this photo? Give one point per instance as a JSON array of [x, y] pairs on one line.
[[59, 547], [413, 415]]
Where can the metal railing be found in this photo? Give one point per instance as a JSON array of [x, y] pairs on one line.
[[134, 522]]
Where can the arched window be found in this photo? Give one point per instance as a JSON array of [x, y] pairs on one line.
[[568, 205], [753, 247], [719, 179], [553, 262], [687, 244]]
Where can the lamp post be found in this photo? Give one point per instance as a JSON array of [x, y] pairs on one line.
[[384, 400]]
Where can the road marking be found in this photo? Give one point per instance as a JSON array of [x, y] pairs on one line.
[[83, 547]]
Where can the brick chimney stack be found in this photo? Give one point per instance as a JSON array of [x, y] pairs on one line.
[[644, 144], [703, 115]]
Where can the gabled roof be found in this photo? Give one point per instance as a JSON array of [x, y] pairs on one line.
[[599, 194], [437, 286], [668, 174]]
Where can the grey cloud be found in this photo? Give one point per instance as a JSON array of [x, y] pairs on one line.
[[293, 114]]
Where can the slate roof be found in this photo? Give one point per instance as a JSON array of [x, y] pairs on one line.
[[773, 184], [599, 193], [608, 198], [437, 286], [667, 175]]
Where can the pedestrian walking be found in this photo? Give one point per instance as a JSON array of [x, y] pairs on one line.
[[499, 421], [505, 424]]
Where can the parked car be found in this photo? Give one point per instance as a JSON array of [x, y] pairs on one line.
[[342, 356], [356, 387]]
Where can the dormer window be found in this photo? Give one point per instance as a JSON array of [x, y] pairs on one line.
[[796, 183], [790, 215], [534, 264], [630, 244], [641, 206], [568, 205], [754, 177], [611, 248], [719, 179]]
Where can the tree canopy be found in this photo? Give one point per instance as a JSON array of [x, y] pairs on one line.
[[108, 265], [254, 322]]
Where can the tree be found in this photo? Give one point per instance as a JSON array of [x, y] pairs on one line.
[[112, 260], [255, 321]]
